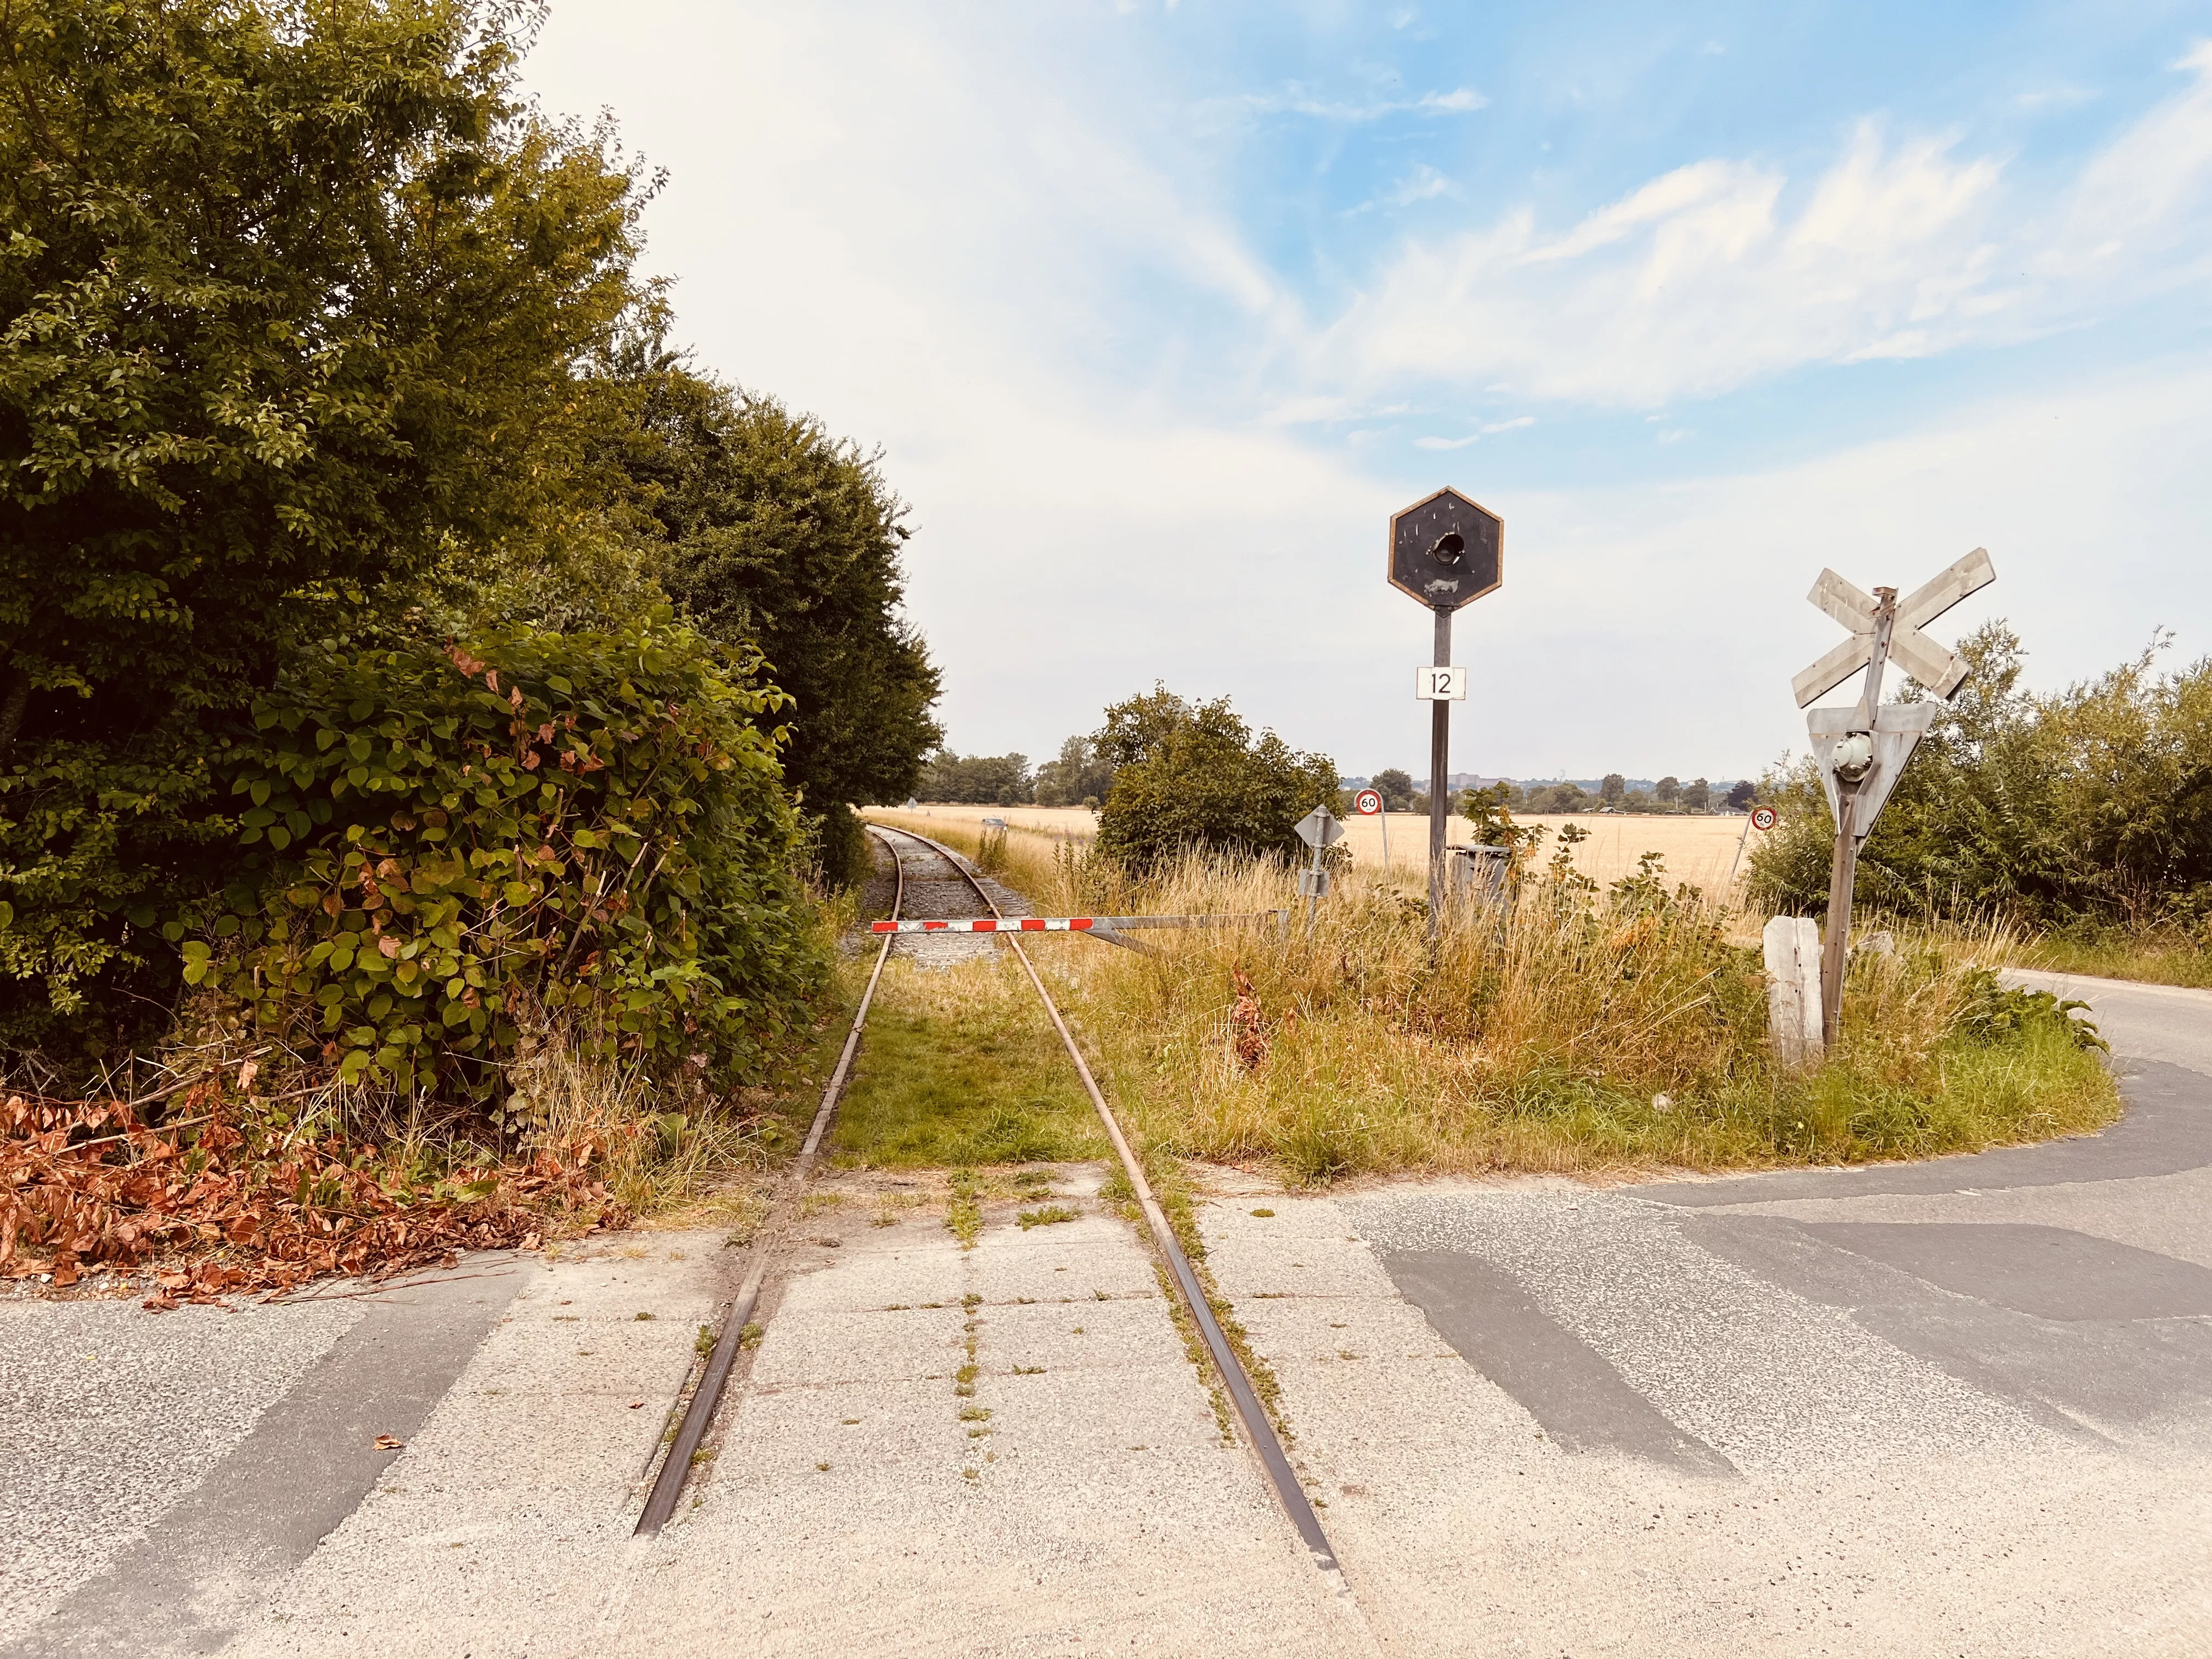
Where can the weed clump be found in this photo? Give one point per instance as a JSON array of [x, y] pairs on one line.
[[1579, 1027]]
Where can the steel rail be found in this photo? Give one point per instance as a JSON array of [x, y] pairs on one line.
[[668, 1485], [1265, 1443]]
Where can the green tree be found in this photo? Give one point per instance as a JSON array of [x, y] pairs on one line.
[[1396, 788], [976, 779], [1191, 776], [780, 535], [1562, 797], [1698, 795], [1076, 776], [1667, 790], [297, 303], [1613, 788]]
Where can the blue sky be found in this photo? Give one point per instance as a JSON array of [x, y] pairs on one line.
[[1157, 312]]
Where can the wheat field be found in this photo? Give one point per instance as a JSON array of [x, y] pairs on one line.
[[1698, 850]]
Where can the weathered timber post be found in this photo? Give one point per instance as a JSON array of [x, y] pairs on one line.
[[1851, 770]]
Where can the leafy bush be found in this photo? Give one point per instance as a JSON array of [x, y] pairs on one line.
[[2091, 804], [441, 849], [837, 846], [1993, 1014], [1191, 776]]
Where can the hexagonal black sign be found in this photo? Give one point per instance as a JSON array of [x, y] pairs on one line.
[[1446, 551]]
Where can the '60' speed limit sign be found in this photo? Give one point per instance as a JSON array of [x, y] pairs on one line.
[[1763, 817], [1367, 803]]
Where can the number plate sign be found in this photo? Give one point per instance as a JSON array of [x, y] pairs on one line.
[[1446, 551], [1367, 803], [1440, 684]]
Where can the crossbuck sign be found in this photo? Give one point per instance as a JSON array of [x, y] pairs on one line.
[[1940, 671], [1861, 752]]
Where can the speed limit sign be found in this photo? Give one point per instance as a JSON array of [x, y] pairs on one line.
[[1763, 817], [1367, 803]]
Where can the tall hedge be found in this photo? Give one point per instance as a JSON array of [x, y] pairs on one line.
[[297, 305]]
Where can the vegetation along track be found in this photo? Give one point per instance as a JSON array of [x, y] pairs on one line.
[[1260, 1432]]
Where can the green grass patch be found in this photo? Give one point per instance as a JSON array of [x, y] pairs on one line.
[[960, 1067], [2154, 957]]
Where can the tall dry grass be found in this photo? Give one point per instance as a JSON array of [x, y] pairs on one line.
[[1581, 1028]]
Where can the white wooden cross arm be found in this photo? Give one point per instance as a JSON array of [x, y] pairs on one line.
[[1940, 671]]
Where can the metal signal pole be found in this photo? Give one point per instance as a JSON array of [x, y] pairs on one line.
[[1439, 768], [1446, 551]]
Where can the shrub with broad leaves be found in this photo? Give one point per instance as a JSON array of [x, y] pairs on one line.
[[445, 847]]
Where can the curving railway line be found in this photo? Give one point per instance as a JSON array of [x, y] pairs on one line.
[[939, 884]]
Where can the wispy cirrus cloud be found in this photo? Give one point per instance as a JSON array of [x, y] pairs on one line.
[[1719, 273], [1296, 98], [1476, 436]]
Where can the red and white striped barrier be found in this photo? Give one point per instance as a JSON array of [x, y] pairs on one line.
[[1065, 924], [996, 925]]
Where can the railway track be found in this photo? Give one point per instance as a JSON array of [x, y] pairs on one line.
[[940, 893]]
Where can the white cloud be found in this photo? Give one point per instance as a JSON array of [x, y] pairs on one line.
[[1477, 435], [1296, 98], [2147, 192], [1691, 284], [1717, 274], [2085, 500], [1424, 184]]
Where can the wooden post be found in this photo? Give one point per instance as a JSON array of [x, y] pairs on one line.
[[1835, 950], [1792, 950], [1439, 766], [1835, 955]]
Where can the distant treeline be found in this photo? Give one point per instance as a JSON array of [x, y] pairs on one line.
[[1612, 792], [1080, 777]]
